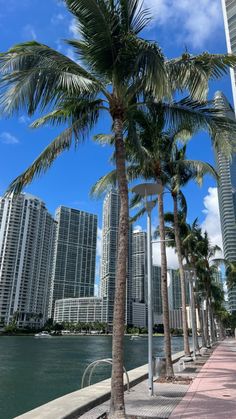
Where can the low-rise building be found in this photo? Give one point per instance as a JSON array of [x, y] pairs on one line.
[[74, 310]]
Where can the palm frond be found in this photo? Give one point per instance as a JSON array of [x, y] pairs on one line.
[[35, 75], [195, 116], [100, 30], [133, 17], [84, 109], [139, 214], [104, 184], [104, 139], [193, 73], [61, 143], [198, 168]]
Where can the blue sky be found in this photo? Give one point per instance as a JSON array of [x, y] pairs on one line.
[[176, 25]]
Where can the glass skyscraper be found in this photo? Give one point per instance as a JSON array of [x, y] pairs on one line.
[[75, 255], [227, 168]]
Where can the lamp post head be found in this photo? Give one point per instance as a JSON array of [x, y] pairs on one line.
[[147, 189]]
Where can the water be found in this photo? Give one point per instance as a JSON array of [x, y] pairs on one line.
[[35, 371]]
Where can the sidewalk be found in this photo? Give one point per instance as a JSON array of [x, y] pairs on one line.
[[213, 392], [139, 405]]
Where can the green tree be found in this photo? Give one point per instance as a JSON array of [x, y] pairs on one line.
[[156, 156], [119, 66]]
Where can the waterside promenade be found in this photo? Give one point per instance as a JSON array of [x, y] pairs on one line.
[[212, 393]]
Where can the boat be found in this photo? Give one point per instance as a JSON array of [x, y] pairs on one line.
[[43, 334], [135, 337]]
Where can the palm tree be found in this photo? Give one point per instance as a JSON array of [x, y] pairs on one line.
[[156, 156], [180, 171], [118, 67]]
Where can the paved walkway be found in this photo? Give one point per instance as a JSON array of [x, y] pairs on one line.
[[213, 392], [139, 404]]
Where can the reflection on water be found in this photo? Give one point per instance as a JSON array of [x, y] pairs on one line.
[[35, 371]]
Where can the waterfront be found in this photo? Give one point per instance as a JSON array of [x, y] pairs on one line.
[[34, 371]]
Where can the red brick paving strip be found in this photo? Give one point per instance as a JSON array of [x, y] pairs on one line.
[[213, 392]]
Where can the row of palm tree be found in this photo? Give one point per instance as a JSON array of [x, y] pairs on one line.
[[120, 73]]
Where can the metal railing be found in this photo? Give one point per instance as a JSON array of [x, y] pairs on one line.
[[93, 366]]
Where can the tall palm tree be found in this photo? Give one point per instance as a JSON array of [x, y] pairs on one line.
[[117, 67], [156, 156], [180, 171]]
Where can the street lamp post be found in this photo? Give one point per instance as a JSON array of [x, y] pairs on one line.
[[191, 272], [193, 312], [146, 190]]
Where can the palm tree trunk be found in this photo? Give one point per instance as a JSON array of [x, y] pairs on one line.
[[164, 288], [212, 324], [117, 406], [182, 277]]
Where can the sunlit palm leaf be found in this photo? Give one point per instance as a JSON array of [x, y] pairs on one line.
[[104, 184], [35, 75], [44, 161], [193, 73]]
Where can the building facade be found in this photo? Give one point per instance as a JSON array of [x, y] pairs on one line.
[[75, 310], [75, 255], [229, 14], [226, 169], [27, 234], [110, 226], [139, 264]]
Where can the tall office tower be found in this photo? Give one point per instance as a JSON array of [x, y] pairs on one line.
[[229, 13], [227, 197], [110, 225], [75, 255], [26, 250], [139, 264], [156, 291]]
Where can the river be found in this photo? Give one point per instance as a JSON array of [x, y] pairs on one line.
[[34, 371]]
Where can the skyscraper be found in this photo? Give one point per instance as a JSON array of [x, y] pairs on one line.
[[139, 264], [75, 255], [226, 168], [110, 226], [229, 13], [26, 250], [228, 231]]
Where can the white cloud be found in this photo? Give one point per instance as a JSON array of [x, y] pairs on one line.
[[73, 28], [211, 224], [137, 229], [99, 242], [57, 19], [7, 138], [23, 119], [172, 261], [70, 54], [29, 32], [199, 20]]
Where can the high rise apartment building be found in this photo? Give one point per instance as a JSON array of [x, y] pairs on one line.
[[229, 14], [139, 266], [26, 249], [110, 226], [226, 169], [227, 189], [75, 255]]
